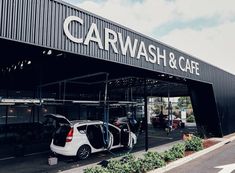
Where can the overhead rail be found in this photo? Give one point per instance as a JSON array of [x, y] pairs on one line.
[[7, 100], [74, 79], [12, 101]]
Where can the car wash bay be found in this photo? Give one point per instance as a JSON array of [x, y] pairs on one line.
[[31, 75], [36, 81]]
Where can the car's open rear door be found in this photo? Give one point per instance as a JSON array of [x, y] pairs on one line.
[[58, 118]]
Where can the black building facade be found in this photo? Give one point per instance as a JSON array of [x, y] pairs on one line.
[[57, 26]]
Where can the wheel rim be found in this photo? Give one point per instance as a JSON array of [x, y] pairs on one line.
[[84, 152]]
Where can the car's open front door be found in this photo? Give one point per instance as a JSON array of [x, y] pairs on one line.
[[125, 134]]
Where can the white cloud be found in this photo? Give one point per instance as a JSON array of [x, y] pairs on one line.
[[192, 9], [211, 44], [214, 45], [143, 17]]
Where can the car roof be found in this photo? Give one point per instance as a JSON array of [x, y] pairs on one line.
[[122, 118], [86, 122]]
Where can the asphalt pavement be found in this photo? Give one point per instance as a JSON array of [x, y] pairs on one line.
[[221, 160]]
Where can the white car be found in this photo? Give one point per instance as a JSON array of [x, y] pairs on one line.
[[82, 137]]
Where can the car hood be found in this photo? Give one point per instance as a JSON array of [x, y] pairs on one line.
[[58, 118]]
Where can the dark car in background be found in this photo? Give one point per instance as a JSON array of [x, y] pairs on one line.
[[135, 125], [164, 122]]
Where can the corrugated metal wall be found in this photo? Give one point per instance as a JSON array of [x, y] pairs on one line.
[[40, 22]]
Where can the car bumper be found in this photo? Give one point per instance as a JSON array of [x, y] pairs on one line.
[[66, 151]]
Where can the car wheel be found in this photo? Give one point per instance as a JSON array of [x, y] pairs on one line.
[[83, 152]]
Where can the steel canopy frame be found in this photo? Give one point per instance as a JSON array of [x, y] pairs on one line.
[[105, 102]]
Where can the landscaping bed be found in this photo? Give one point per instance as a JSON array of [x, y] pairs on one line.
[[206, 144], [153, 160]]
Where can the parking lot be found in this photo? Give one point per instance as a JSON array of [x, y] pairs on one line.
[[38, 162]]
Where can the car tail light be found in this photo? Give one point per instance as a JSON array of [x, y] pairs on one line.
[[69, 135]]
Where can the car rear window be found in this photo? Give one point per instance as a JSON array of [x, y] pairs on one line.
[[82, 129]]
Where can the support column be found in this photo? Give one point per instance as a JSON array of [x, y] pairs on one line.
[[106, 112], [146, 116]]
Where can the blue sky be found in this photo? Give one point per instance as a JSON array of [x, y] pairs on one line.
[[204, 29]]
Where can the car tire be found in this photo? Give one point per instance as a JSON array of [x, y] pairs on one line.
[[83, 152]]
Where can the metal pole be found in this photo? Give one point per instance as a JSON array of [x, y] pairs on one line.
[[106, 89], [170, 118], [59, 90], [106, 113], [64, 92], [168, 100], [146, 116], [6, 120]]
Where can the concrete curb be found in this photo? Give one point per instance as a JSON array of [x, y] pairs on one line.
[[193, 156]]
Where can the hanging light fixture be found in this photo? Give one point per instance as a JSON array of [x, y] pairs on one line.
[[21, 65], [49, 52]]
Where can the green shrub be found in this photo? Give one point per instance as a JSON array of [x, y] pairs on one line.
[[129, 164], [191, 119], [125, 165], [115, 166], [152, 160], [128, 158], [194, 144], [168, 156], [177, 151], [96, 169], [138, 165]]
